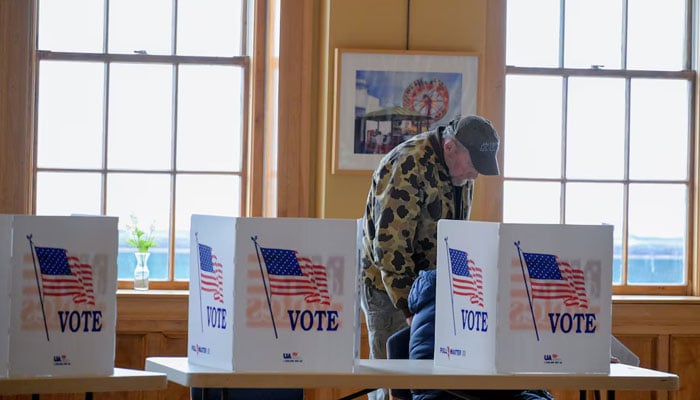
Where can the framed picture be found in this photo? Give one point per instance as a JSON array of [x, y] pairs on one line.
[[384, 97]]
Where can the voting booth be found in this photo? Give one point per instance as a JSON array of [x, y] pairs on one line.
[[58, 285], [273, 294], [523, 297]]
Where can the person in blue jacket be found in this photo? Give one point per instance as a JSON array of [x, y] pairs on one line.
[[421, 303]]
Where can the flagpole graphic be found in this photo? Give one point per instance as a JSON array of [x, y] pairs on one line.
[[262, 275], [527, 290], [452, 300], [199, 276], [38, 286]]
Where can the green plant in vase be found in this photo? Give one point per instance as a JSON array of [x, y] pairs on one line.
[[142, 242]]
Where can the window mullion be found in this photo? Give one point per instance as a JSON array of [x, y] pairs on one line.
[[105, 136], [691, 34], [624, 33], [624, 264], [105, 109], [562, 31], [173, 170], [564, 121], [173, 144]]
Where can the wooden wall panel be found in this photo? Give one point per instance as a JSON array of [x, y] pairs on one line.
[[684, 357], [129, 351], [644, 346]]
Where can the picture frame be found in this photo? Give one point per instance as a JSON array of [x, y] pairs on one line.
[[383, 97]]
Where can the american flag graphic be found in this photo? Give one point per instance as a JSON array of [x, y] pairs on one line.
[[64, 275], [211, 272], [467, 277], [294, 275], [552, 279]]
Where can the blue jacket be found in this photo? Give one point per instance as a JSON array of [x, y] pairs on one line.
[[421, 302]]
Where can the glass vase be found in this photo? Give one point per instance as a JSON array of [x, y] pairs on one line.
[[141, 271]]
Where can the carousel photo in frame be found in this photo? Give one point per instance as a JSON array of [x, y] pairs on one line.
[[383, 97]]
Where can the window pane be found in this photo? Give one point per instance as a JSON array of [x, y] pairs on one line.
[[657, 234], [140, 25], [71, 25], [660, 47], [533, 127], [210, 118], [147, 196], [69, 127], [659, 129], [593, 34], [531, 202], [595, 204], [59, 193], [140, 116], [209, 27], [532, 37], [596, 128], [201, 194]]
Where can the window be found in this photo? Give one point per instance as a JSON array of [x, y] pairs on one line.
[[598, 128], [141, 111]]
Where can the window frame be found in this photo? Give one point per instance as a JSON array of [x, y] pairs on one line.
[[689, 74], [252, 63]]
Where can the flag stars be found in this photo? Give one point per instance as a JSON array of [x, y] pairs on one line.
[[281, 261], [53, 261], [459, 262], [542, 266]]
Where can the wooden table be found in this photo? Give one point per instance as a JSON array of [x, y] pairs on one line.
[[121, 380], [412, 374]]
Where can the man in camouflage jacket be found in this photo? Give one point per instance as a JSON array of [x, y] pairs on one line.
[[424, 179]]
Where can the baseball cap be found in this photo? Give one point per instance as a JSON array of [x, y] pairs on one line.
[[479, 136]]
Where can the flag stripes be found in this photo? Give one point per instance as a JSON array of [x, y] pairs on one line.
[[290, 274], [467, 277], [211, 273], [551, 279], [65, 275]]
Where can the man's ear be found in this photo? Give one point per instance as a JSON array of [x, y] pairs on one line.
[[449, 145]]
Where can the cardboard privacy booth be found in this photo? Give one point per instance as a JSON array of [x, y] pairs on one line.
[[273, 294], [58, 285], [523, 297]]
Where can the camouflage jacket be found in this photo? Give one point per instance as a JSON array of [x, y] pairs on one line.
[[411, 190]]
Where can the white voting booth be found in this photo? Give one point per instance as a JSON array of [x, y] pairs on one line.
[[273, 294], [58, 284], [523, 297]]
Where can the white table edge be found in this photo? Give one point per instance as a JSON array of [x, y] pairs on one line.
[[414, 374], [122, 379]]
